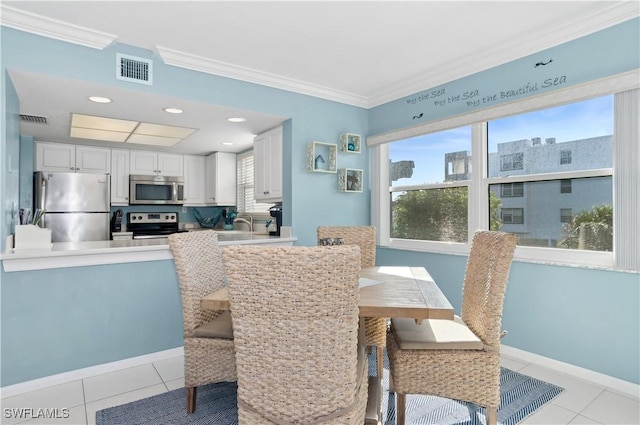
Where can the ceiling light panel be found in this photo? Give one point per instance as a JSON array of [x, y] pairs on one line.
[[95, 134], [101, 123], [163, 130], [144, 139]]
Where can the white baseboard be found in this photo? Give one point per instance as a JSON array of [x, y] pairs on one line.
[[74, 375], [619, 385]]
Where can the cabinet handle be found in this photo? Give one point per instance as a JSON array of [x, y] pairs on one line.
[[71, 168]]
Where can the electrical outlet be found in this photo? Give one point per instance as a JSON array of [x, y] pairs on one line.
[[184, 209]]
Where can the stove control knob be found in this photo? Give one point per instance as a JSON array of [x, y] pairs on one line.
[[173, 217], [133, 218], [139, 217]]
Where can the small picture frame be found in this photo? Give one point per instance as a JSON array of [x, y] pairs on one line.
[[350, 180], [350, 143]]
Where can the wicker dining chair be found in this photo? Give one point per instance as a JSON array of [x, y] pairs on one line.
[[208, 334], [296, 329], [460, 358], [365, 238]]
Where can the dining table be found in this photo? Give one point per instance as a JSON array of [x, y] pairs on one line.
[[385, 291]]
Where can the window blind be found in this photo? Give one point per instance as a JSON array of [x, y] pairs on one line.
[[245, 186]]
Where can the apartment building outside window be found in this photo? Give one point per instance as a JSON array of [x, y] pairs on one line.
[[565, 157], [512, 215], [511, 190], [566, 215], [565, 186]]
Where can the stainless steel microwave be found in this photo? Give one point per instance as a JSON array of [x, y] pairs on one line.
[[155, 190]]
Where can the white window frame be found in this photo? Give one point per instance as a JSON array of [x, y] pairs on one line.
[[626, 254]]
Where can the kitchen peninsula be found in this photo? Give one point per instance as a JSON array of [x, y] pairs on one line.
[[76, 254]]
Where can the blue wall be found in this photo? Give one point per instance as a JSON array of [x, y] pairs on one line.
[[91, 315], [588, 318], [58, 320]]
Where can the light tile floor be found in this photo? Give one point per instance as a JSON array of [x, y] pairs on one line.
[[582, 402]]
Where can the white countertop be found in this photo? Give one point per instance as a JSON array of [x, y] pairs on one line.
[[76, 254]]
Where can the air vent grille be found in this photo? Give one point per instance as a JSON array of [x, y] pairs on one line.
[[33, 119], [133, 69]]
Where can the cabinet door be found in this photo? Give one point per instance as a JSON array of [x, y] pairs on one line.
[[93, 160], [55, 157], [194, 179], [267, 151], [143, 162], [226, 178], [221, 179], [170, 164], [211, 167], [119, 177], [275, 168]]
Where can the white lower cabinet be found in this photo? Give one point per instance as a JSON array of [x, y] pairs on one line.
[[220, 186], [194, 180]]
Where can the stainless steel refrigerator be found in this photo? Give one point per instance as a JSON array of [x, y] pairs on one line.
[[76, 204]]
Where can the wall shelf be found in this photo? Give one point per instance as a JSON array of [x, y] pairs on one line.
[[350, 180], [322, 157], [350, 142]]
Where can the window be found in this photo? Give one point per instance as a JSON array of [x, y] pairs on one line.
[[429, 176], [245, 191], [512, 161], [511, 190], [565, 157], [512, 215], [510, 172], [575, 129]]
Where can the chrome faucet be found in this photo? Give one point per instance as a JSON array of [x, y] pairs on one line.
[[244, 220]]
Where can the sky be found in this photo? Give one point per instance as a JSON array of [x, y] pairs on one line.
[[581, 120]]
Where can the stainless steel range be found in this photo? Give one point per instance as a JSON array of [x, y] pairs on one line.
[[145, 225]]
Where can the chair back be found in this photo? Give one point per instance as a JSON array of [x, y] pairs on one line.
[[198, 262], [485, 283], [363, 236], [295, 324]]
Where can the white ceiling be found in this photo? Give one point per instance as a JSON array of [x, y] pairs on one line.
[[362, 53]]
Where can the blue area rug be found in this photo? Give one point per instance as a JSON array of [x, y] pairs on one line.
[[521, 395]]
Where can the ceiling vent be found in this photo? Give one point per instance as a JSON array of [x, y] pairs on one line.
[[133, 69], [33, 119]]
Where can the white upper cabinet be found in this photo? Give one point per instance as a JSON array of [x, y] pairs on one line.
[[221, 179], [156, 164], [267, 152], [194, 180], [119, 177], [72, 158]]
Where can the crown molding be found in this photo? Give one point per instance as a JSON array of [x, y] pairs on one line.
[[52, 28], [224, 69], [510, 50]]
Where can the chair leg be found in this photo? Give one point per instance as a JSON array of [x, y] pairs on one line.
[[492, 415], [380, 360], [191, 399], [401, 403]]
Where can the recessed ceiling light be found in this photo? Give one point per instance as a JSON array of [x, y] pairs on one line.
[[236, 119], [99, 99], [227, 143], [173, 110]]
